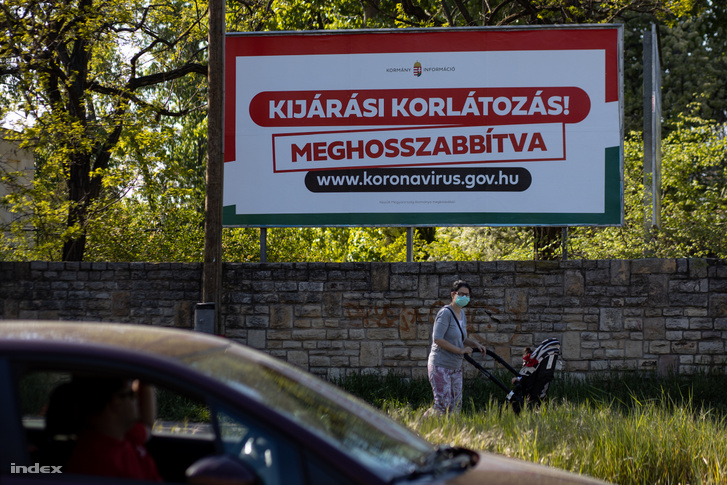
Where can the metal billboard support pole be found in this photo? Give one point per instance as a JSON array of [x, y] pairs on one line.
[[409, 244], [652, 132], [263, 244]]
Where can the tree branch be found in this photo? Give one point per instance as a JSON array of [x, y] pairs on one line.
[[465, 13]]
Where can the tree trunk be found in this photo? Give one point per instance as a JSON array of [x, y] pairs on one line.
[[547, 243], [74, 248]]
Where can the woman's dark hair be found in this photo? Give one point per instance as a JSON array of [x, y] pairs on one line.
[[459, 284]]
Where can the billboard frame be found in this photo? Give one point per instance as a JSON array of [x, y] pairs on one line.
[[613, 208]]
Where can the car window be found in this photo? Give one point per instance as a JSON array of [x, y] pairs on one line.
[[182, 432], [367, 436], [273, 457], [49, 440]]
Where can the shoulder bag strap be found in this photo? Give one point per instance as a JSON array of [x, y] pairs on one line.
[[456, 320]]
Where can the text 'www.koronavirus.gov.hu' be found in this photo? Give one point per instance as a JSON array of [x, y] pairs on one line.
[[495, 179]]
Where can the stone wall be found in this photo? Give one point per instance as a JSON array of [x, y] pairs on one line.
[[652, 314]]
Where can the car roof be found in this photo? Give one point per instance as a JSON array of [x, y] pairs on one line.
[[161, 341]]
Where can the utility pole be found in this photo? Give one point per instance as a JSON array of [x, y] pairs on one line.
[[212, 267]]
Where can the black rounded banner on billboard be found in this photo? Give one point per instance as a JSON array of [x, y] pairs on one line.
[[475, 179]]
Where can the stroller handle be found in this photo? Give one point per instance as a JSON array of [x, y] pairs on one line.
[[500, 360], [494, 379]]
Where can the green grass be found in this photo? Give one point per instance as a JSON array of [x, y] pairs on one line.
[[624, 429]]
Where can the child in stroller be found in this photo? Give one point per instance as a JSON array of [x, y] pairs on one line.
[[533, 380], [530, 384]]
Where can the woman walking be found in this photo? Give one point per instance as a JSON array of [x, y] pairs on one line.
[[449, 344]]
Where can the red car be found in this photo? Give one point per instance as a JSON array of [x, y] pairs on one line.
[[227, 414]]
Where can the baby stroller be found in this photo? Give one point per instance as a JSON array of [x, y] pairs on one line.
[[533, 379]]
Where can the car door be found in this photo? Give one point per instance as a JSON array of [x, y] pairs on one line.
[[194, 422]]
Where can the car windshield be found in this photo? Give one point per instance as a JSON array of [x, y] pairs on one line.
[[386, 447]]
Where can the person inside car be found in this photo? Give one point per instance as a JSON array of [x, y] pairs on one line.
[[117, 415]]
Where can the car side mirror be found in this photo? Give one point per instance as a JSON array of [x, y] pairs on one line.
[[221, 470]]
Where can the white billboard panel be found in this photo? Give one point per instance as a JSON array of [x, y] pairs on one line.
[[424, 127]]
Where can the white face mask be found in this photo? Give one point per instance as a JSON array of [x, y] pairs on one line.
[[462, 301]]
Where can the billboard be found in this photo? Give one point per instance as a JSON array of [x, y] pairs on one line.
[[442, 127]]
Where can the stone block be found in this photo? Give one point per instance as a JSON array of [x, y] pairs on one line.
[[623, 365], [633, 324], [420, 353], [674, 335], [331, 304], [659, 347], [614, 354], [516, 300], [574, 283], [667, 365], [407, 324], [620, 273], [611, 320], [257, 339], [718, 305], [281, 316], [404, 282], [298, 358], [571, 345], [396, 353], [382, 334], [120, 303], [371, 354], [308, 334], [711, 346], [634, 349], [428, 286], [701, 324], [257, 321], [698, 268], [684, 347], [522, 340], [379, 276], [653, 266], [319, 361], [654, 328], [681, 323]]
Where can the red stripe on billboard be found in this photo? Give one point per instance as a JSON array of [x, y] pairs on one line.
[[460, 106]]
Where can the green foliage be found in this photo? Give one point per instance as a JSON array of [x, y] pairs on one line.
[[175, 407], [346, 14], [331, 244], [88, 78], [693, 203]]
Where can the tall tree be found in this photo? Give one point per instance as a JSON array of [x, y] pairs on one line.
[[86, 74]]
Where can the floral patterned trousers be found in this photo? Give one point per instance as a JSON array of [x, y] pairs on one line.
[[447, 389]]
